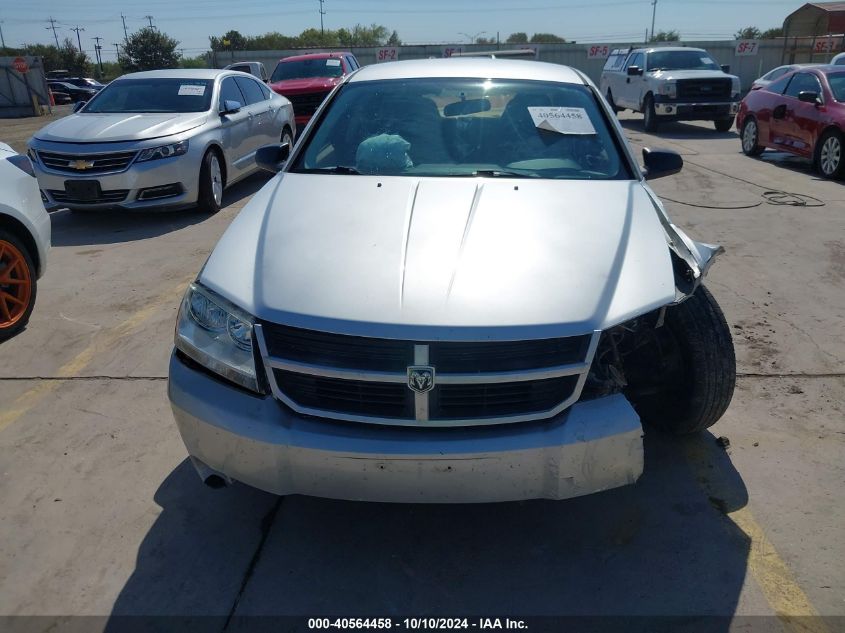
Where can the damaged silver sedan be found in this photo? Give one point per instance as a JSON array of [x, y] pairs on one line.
[[458, 288]]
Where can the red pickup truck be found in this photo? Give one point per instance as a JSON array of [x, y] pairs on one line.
[[307, 79]]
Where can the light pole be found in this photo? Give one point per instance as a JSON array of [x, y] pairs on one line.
[[473, 38], [653, 14]]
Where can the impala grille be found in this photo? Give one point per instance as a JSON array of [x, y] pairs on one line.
[[86, 163]]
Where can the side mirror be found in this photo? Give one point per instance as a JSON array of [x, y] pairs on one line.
[[272, 158], [633, 71], [661, 162], [808, 96], [726, 68], [230, 106], [79, 105]]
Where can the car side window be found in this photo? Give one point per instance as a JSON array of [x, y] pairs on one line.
[[240, 69], [777, 72], [251, 89], [803, 82], [266, 91], [229, 91], [780, 85], [635, 60]]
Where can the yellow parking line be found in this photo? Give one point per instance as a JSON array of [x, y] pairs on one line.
[[102, 341], [779, 587]]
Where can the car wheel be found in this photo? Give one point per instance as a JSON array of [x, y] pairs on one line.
[[287, 137], [692, 385], [751, 138], [650, 120], [829, 155], [723, 125], [611, 102], [211, 183], [17, 285]]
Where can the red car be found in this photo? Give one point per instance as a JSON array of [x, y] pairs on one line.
[[802, 113], [308, 79]]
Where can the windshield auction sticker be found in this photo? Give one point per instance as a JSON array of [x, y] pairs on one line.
[[562, 120], [189, 90]]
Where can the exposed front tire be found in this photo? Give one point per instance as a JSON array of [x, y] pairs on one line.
[[650, 116], [723, 125], [17, 285], [287, 137], [611, 103], [696, 383], [211, 184], [750, 138], [829, 156]]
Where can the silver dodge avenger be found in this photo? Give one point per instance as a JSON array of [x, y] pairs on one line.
[[458, 288], [163, 138]]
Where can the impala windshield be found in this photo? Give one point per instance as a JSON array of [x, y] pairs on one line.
[[464, 127], [153, 95]]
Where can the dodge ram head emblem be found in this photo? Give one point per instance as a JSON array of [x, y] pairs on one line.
[[421, 379]]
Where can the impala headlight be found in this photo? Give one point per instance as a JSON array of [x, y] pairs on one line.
[[217, 335], [163, 151], [670, 89]]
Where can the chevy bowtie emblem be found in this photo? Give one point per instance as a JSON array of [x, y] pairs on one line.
[[421, 379], [81, 164]]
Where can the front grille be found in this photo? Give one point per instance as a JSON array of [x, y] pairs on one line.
[[112, 195], [704, 89], [306, 104], [86, 163], [365, 379]]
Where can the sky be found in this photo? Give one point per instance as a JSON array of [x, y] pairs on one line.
[[421, 22]]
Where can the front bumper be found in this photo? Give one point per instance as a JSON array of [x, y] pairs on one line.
[[694, 111], [182, 170], [592, 446]]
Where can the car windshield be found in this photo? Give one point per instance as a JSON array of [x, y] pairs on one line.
[[837, 85], [681, 60], [464, 127], [306, 68], [153, 95]]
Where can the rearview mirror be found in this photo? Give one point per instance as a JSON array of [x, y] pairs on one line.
[[272, 158], [79, 105], [634, 70], [726, 68], [468, 106], [230, 106], [661, 162], [808, 96]]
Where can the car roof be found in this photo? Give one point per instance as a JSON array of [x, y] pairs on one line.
[[296, 58], [476, 67], [178, 73]]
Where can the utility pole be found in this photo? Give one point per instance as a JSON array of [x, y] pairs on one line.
[[322, 13], [78, 38], [125, 32], [53, 26], [653, 14], [2, 39], [116, 51], [150, 18], [97, 49]]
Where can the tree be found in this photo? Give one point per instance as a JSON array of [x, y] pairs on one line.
[[67, 57], [748, 33], [517, 38], [665, 36], [770, 34], [231, 41], [394, 40], [200, 61], [149, 49], [550, 38], [486, 41]]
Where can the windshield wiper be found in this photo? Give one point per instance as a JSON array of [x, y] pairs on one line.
[[497, 173], [337, 169]]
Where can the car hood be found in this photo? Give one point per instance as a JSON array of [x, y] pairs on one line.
[[444, 257], [691, 74], [311, 84], [99, 128]]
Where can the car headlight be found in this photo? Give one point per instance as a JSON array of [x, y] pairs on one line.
[[217, 335], [670, 89], [163, 151]]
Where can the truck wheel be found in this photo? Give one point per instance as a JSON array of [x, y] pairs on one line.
[[611, 103], [17, 285], [751, 138], [211, 184], [829, 155], [650, 120], [723, 125], [697, 382]]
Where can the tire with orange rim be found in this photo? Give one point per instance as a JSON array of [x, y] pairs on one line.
[[17, 285]]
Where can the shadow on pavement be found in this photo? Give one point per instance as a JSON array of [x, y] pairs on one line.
[[111, 227], [679, 130], [661, 547]]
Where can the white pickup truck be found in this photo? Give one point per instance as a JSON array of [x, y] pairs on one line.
[[671, 84]]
